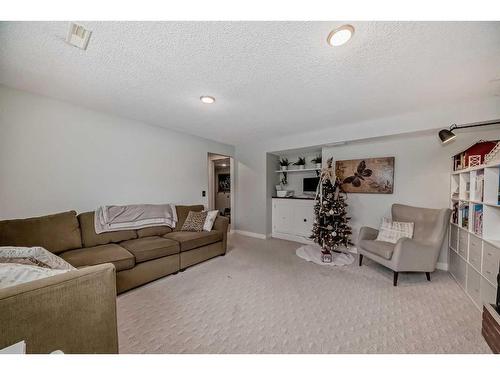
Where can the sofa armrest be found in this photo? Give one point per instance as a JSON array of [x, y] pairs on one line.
[[413, 255], [367, 233], [222, 224], [74, 312]]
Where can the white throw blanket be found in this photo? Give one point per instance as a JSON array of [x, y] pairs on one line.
[[23, 264], [312, 253], [136, 216]]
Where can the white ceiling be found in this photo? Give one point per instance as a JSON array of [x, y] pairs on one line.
[[269, 78]]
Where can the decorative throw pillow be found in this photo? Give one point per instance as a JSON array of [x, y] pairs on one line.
[[210, 220], [392, 231], [194, 221]]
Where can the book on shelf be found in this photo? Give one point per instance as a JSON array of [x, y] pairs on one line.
[[467, 191], [498, 190], [454, 215], [479, 187], [478, 219], [465, 216]]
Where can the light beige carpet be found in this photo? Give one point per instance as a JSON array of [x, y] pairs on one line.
[[262, 298]]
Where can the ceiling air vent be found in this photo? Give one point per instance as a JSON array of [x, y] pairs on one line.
[[78, 36]]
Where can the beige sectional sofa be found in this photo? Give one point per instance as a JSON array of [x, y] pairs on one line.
[[74, 312], [139, 256]]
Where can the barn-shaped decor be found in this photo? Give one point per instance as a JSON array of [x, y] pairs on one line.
[[479, 153]]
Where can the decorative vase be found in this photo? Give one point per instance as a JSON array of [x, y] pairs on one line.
[[318, 165], [301, 166], [284, 167], [278, 187]]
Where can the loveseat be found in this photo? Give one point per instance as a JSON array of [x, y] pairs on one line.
[[139, 256]]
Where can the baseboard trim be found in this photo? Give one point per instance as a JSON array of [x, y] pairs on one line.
[[442, 266], [291, 237], [250, 234]]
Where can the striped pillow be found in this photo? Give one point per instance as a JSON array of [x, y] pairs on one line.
[[392, 231]]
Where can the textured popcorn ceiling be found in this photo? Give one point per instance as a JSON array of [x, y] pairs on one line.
[[269, 78]]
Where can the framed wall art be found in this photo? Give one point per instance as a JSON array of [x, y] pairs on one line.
[[370, 175]]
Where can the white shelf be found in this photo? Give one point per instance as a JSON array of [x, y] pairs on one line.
[[476, 202], [299, 170], [467, 170], [491, 204], [476, 186]]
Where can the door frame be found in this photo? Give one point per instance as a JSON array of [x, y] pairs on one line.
[[211, 181]]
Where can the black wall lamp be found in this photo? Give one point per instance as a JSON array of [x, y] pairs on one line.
[[447, 135]]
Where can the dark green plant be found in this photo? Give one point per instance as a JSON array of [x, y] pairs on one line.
[[317, 160], [284, 162], [300, 161]]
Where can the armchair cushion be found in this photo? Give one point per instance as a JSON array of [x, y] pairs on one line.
[[392, 231], [381, 248]]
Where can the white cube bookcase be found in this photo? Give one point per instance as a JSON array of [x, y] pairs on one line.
[[474, 250]]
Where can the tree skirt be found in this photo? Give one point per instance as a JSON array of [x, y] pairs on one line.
[[312, 253]]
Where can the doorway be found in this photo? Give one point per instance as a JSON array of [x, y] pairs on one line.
[[220, 184]]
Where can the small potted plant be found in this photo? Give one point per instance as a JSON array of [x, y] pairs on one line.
[[301, 162], [284, 163], [317, 161]]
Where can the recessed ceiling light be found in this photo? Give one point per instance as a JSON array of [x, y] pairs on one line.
[[340, 35], [207, 99]]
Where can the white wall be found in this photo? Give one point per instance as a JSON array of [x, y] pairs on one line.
[[253, 201], [56, 156]]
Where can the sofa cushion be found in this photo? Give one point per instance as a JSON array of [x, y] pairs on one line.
[[91, 238], [148, 248], [183, 211], [56, 233], [381, 248], [153, 231], [91, 256], [192, 240]]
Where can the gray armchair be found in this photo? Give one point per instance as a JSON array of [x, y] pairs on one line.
[[417, 254]]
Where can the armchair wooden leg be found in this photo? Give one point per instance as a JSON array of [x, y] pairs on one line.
[[396, 274], [360, 259], [428, 275]]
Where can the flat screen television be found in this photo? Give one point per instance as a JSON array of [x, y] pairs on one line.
[[309, 184]]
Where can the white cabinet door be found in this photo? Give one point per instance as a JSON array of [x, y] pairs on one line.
[[488, 291], [491, 260], [474, 285], [303, 218], [282, 216]]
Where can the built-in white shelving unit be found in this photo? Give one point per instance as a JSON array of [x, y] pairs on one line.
[[474, 240]]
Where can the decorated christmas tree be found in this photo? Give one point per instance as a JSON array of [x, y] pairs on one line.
[[330, 229]]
